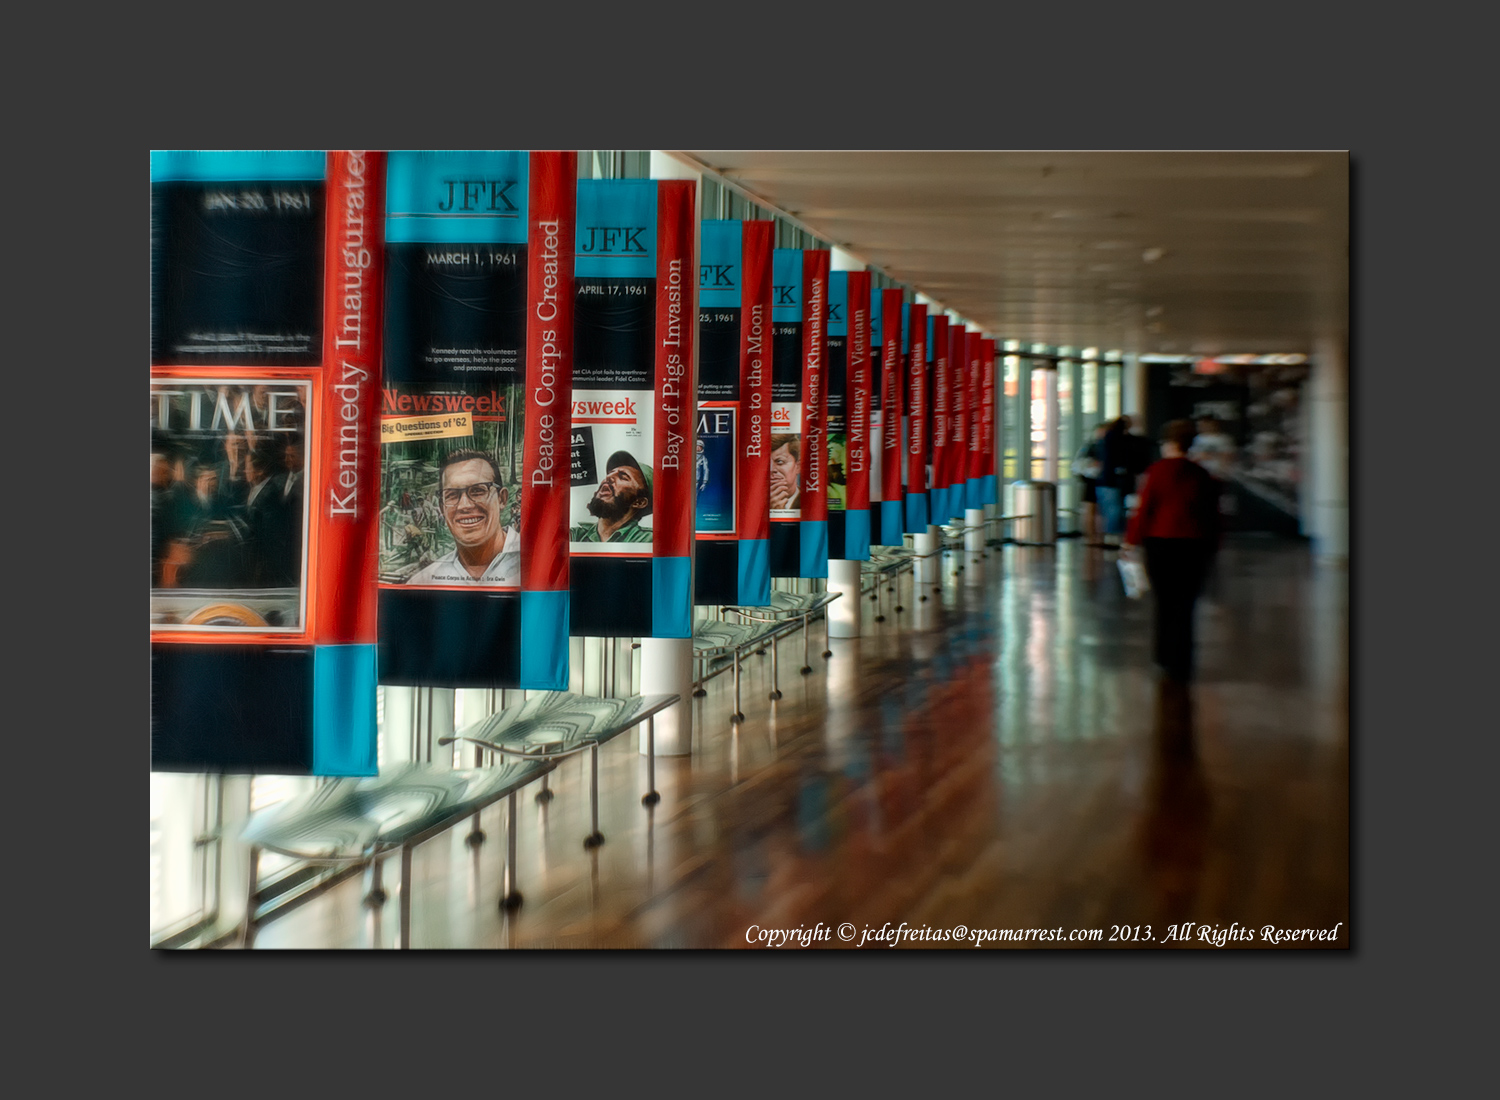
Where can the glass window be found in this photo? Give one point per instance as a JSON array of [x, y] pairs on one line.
[[1066, 443], [1038, 441], [1111, 391], [1010, 417], [176, 863]]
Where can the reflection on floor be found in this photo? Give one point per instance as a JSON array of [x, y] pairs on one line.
[[998, 757]]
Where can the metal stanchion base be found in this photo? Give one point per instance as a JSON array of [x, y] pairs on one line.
[[774, 695], [475, 839], [544, 797], [736, 718], [650, 798], [699, 693], [511, 900], [593, 840]]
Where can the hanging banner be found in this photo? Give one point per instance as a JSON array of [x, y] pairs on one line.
[[916, 325], [985, 462], [798, 487], [849, 415], [973, 383], [631, 519], [265, 352], [958, 421], [732, 453], [473, 419], [885, 326], [938, 356]]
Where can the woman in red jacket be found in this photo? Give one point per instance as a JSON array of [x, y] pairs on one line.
[[1177, 525]]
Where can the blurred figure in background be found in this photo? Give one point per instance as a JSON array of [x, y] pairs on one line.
[[1140, 453], [1213, 449], [1177, 527], [1116, 481], [1087, 465]]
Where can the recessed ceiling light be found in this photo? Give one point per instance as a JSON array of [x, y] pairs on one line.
[[1151, 255]]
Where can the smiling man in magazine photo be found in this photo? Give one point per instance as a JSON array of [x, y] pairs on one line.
[[473, 501]]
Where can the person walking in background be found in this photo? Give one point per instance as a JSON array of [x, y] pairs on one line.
[[1087, 466], [1177, 528], [1116, 481], [1141, 453], [1213, 449]]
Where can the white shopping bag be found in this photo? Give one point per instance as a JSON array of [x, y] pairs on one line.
[[1133, 576]]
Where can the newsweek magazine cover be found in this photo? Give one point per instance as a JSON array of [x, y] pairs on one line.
[[450, 488], [613, 471]]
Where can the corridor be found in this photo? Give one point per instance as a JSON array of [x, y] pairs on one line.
[[996, 757]]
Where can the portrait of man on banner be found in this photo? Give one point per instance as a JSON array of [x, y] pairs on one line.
[[451, 497], [786, 471], [473, 502]]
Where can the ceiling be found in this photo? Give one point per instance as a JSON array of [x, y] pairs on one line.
[[1166, 252]]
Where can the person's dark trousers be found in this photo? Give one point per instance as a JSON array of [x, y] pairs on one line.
[[1176, 568]]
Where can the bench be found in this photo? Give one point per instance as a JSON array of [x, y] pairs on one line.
[[713, 638], [786, 607], [885, 566], [554, 725], [352, 822]]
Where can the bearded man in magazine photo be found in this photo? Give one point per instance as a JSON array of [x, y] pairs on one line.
[[622, 500], [473, 502]]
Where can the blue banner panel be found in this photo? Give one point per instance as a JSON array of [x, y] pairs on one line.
[[344, 731], [786, 285], [857, 534], [544, 649], [616, 230], [890, 522], [215, 166], [814, 547], [988, 490], [457, 197], [720, 246], [755, 572], [671, 597], [916, 514], [838, 303]]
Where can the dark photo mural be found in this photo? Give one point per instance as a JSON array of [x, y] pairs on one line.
[[1250, 421]]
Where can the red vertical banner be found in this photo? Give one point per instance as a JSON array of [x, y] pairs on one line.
[[549, 370], [972, 413], [987, 469], [919, 441], [857, 394], [754, 516], [890, 375], [941, 410], [676, 314], [957, 424], [345, 544], [815, 269]]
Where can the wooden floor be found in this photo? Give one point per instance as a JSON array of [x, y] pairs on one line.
[[1000, 758]]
